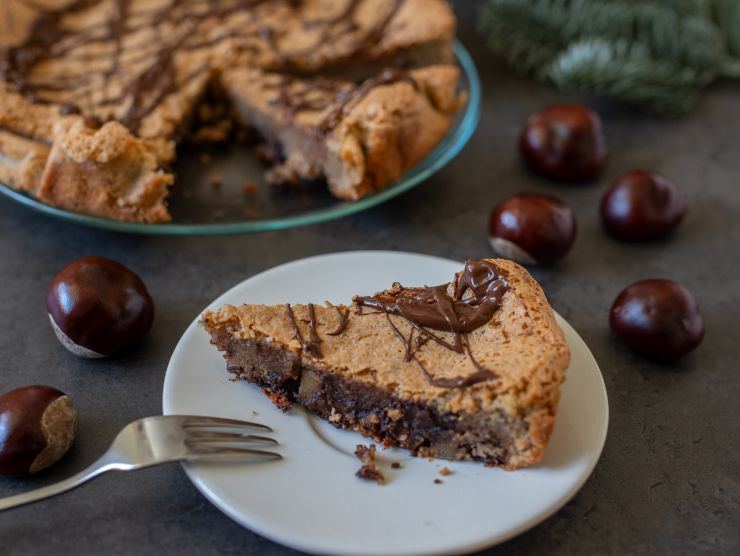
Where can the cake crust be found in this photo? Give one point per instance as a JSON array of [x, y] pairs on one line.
[[506, 420]]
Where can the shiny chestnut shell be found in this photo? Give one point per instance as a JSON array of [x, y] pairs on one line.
[[532, 229], [657, 318], [98, 307], [37, 427], [565, 142], [642, 205]]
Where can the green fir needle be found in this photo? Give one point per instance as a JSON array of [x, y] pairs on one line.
[[654, 54]]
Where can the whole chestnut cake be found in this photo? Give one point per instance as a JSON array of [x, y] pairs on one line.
[[657, 318], [98, 307], [642, 205], [564, 142]]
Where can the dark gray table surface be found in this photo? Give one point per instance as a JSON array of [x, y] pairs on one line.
[[668, 479]]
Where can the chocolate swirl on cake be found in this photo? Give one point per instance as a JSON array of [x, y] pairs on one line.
[[477, 295], [336, 97], [312, 345], [343, 320], [140, 73]]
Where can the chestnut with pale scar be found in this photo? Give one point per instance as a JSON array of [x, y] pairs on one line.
[[37, 427], [98, 307], [532, 229], [468, 370]]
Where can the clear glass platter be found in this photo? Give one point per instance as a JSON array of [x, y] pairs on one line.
[[199, 208]]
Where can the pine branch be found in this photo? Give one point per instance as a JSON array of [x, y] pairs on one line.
[[657, 54], [508, 26], [627, 72], [727, 15]]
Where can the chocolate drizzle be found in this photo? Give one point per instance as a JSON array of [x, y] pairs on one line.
[[320, 94], [477, 295], [314, 340], [343, 319], [312, 346], [347, 100], [179, 27]]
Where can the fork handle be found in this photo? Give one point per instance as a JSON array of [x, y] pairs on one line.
[[83, 476]]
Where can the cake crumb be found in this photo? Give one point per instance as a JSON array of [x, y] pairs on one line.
[[368, 471], [396, 465], [254, 414], [437, 481], [445, 471], [215, 132], [366, 454]]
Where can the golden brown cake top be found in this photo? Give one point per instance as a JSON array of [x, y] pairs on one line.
[[143, 62], [512, 355], [359, 137]]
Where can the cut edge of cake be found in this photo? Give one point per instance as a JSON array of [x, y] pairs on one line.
[[381, 129]]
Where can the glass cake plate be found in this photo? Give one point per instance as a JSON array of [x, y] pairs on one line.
[[199, 208]]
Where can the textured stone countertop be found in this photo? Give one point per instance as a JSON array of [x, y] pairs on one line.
[[668, 480]]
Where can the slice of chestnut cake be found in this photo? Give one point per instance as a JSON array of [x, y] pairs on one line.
[[469, 370]]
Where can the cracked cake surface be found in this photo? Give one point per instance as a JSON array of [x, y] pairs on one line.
[[95, 94], [486, 388]]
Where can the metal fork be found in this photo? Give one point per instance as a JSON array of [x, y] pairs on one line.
[[163, 439]]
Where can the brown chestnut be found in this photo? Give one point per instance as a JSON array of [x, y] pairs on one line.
[[642, 205], [657, 318], [564, 142], [98, 307], [532, 229], [37, 427]]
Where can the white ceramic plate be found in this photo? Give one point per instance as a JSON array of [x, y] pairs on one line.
[[312, 501]]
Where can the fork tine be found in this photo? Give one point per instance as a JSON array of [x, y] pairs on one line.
[[230, 437], [201, 450], [193, 421]]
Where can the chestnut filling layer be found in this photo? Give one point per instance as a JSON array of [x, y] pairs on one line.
[[372, 411]]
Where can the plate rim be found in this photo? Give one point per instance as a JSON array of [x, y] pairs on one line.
[[461, 548], [440, 156]]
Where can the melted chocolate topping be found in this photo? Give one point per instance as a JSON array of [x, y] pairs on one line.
[[346, 101], [312, 346], [314, 340], [343, 319], [50, 36], [477, 295], [320, 94]]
